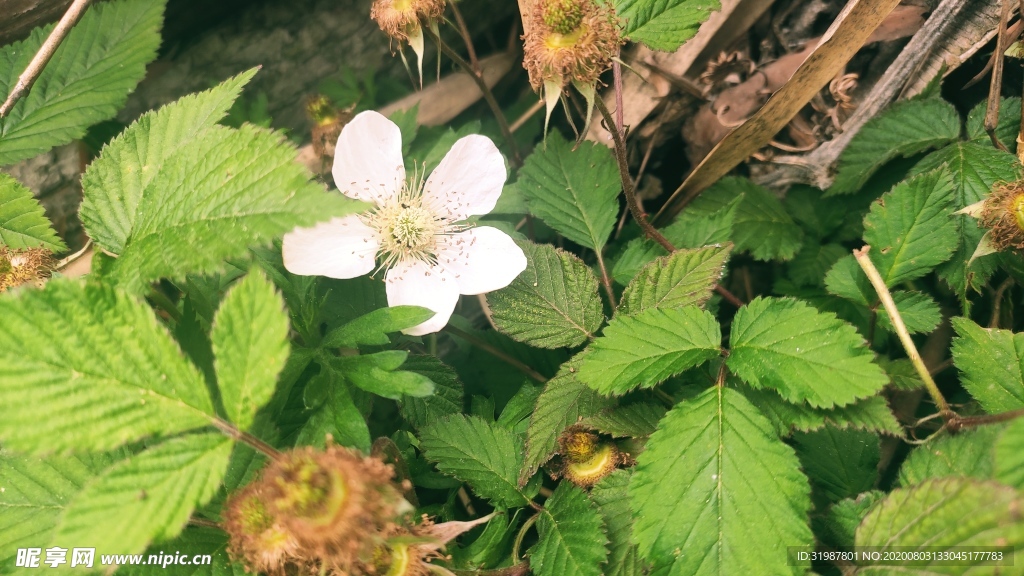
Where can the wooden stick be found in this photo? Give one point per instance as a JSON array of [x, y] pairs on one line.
[[42, 57]]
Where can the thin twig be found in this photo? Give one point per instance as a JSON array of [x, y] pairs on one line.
[[477, 77], [194, 521], [466, 37], [992, 108], [42, 57], [259, 445], [901, 331], [617, 82], [997, 301], [522, 367], [627, 182], [537, 106], [962, 422]]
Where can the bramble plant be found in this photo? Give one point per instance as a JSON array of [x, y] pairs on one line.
[[278, 369]]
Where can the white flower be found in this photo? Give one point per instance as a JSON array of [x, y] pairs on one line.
[[413, 232]]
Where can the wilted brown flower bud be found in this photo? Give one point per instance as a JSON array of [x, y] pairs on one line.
[[19, 267], [585, 458], [1003, 214]]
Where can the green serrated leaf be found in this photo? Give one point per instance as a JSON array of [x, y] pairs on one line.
[[563, 401], [484, 455], [871, 414], [447, 398], [516, 414], [613, 504], [814, 260], [148, 496], [87, 81], [378, 374], [847, 280], [573, 191], [1009, 455], [551, 304], [87, 368], [663, 24], [762, 226], [372, 329], [968, 454], [975, 167], [22, 221], [34, 492], [649, 347], [909, 228], [338, 416], [629, 421], [115, 182], [906, 128], [991, 364], [902, 374], [930, 517], [1007, 127], [803, 354], [571, 536], [250, 346], [840, 462], [736, 498], [684, 278], [839, 526]]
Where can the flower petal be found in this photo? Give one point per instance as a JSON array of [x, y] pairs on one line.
[[468, 180], [482, 259], [340, 248], [368, 162], [413, 283]]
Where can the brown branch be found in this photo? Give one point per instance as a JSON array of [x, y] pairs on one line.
[[466, 37], [259, 445], [42, 57], [995, 88], [961, 422]]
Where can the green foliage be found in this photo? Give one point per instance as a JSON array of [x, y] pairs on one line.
[[573, 191], [991, 364], [905, 129], [447, 398], [372, 328], [1009, 455], [87, 81], [173, 199], [647, 348], [813, 261], [486, 456], [736, 495], [685, 278], [88, 368], [805, 355], [613, 503], [563, 401], [22, 222], [841, 463], [336, 414], [571, 536], [147, 496], [975, 167], [629, 421], [839, 526], [553, 303], [1007, 127], [663, 24], [379, 374], [920, 312], [762, 226], [870, 414], [967, 454], [910, 230], [931, 515], [35, 493], [250, 345]]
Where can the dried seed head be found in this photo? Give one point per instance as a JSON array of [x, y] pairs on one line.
[[585, 458], [578, 444], [18, 267], [256, 538], [1003, 215], [570, 40], [400, 19]]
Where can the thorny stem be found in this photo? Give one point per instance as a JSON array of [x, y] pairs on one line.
[[259, 445], [901, 331], [631, 200], [627, 182], [42, 57], [478, 77], [606, 280], [961, 422], [495, 352]]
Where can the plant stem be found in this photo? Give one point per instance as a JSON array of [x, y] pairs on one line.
[[997, 300], [961, 422], [517, 544], [496, 353], [478, 77], [259, 445], [606, 280], [466, 37], [42, 57], [901, 331], [627, 183]]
